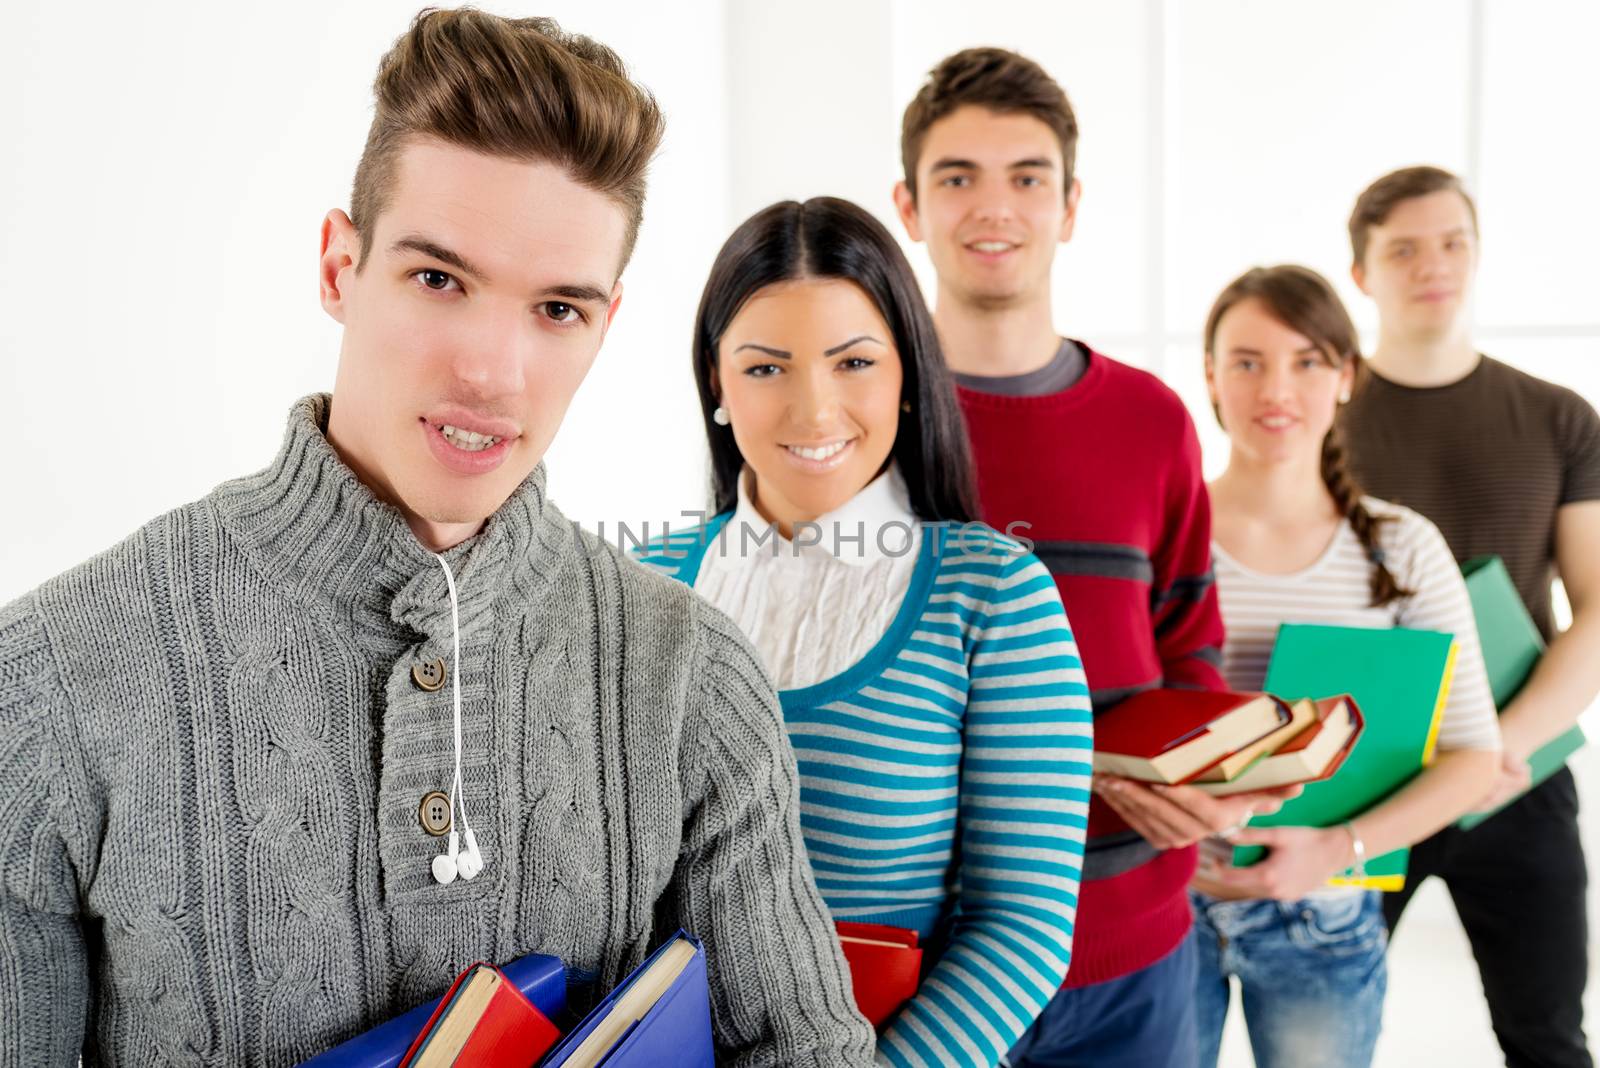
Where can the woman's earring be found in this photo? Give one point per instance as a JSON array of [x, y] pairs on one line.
[[1344, 398], [905, 406], [719, 416]]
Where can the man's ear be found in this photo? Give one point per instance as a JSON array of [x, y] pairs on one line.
[[341, 249], [1358, 275], [611, 309], [906, 206], [1073, 195]]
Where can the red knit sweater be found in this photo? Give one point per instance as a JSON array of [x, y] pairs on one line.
[[1107, 475]]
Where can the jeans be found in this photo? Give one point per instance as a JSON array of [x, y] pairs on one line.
[[1519, 884], [1142, 1020], [1311, 973]]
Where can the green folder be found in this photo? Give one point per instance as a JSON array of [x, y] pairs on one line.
[[1512, 645], [1399, 679]]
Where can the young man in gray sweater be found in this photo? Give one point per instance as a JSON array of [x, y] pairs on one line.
[[238, 824]]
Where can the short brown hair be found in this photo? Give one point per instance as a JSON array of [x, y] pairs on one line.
[[520, 88], [1379, 199], [992, 78]]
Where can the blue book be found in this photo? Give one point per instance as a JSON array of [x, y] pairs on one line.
[[659, 1016], [540, 978]]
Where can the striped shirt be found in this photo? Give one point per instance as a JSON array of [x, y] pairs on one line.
[[1336, 590], [944, 786]]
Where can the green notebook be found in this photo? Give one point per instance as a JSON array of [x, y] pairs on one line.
[[1399, 679], [1512, 645]]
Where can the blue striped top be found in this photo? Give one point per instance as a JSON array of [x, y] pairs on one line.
[[945, 785]]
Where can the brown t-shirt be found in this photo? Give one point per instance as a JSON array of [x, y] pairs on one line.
[[1488, 458]]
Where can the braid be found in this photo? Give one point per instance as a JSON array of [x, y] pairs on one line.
[[1347, 498]]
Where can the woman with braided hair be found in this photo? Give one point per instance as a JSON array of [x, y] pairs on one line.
[[1295, 540]]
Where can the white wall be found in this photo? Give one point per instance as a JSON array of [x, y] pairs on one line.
[[164, 179], [1221, 134], [165, 175]]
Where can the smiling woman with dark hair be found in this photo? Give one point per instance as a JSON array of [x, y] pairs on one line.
[[930, 683], [827, 238]]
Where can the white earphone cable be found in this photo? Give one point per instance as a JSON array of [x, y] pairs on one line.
[[457, 792]]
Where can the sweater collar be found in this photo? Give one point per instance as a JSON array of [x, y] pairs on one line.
[[311, 526]]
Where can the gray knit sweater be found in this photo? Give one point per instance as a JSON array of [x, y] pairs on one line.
[[213, 751]]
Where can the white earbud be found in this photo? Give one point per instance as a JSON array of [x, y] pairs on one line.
[[446, 866], [471, 860]]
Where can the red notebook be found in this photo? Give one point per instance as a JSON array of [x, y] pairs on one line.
[[484, 1020], [1171, 736], [885, 967]]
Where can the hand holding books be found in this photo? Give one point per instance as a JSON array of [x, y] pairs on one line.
[[1299, 860], [1515, 779], [1401, 679], [1149, 746], [1171, 817]]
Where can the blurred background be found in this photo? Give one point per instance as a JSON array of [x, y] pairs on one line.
[[166, 167]]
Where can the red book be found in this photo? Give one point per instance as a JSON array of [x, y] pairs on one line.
[[1171, 736], [885, 967], [1312, 755], [484, 1020]]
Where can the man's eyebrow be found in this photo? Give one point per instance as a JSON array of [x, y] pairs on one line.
[[841, 347], [579, 291], [429, 247], [780, 353], [1400, 239], [951, 164], [1033, 161]]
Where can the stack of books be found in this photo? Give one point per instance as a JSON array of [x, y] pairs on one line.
[[504, 1018], [1310, 747], [540, 981], [1378, 731], [1225, 743]]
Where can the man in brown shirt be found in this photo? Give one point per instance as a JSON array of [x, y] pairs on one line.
[[1505, 464]]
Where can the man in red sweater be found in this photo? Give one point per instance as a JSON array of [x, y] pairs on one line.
[[1101, 461]]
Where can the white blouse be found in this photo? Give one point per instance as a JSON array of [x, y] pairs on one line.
[[815, 606]]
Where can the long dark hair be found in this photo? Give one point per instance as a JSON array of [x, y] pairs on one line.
[[1302, 300], [831, 238]]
